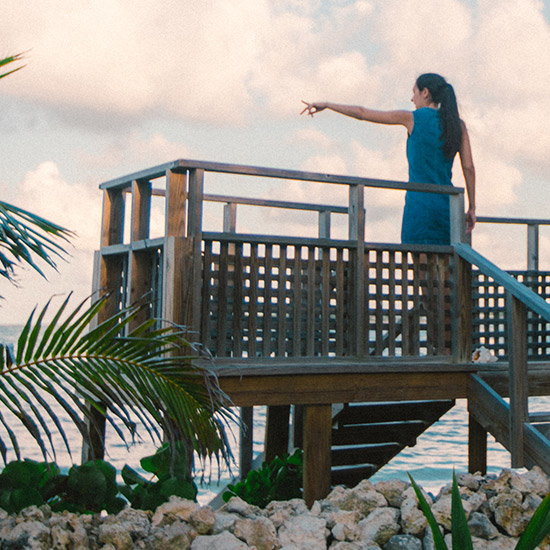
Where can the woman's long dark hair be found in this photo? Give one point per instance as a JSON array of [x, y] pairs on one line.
[[443, 94]]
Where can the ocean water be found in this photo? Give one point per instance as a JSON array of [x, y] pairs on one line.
[[431, 461]]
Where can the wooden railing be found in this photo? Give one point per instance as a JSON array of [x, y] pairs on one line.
[[519, 301], [250, 295]]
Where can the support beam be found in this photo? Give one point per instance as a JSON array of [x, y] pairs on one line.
[[277, 430], [477, 447], [519, 381], [247, 441], [317, 446]]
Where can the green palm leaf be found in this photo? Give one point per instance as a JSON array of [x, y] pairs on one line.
[[439, 541], [25, 237], [11, 59], [537, 528], [142, 375]]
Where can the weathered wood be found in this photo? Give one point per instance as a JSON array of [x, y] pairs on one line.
[[277, 430], [343, 388], [477, 447], [187, 164], [356, 223], [462, 318], [533, 247], [246, 440], [519, 391], [317, 443], [175, 205]]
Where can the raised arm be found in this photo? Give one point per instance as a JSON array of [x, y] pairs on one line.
[[403, 118], [468, 169]]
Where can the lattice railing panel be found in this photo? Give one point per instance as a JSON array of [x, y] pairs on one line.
[[489, 314], [301, 300]]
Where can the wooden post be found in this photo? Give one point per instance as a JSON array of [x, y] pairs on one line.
[[518, 380], [532, 247], [107, 278], [477, 447], [277, 430], [230, 217], [317, 448], [247, 441], [140, 266], [324, 224], [461, 318], [457, 218], [175, 250], [356, 221]]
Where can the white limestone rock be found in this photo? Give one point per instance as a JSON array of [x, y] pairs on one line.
[[203, 519], [481, 527], [177, 535], [413, 521], [441, 510], [223, 521], [380, 525], [362, 498], [259, 532], [509, 513], [68, 531], [176, 509], [28, 535], [307, 532], [279, 511], [343, 525], [236, 505], [393, 491], [223, 541]]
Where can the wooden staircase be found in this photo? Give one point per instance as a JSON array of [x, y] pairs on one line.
[[366, 436]]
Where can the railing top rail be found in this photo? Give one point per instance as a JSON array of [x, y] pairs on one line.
[[510, 284], [518, 221], [183, 165]]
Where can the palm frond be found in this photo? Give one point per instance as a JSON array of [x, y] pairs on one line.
[[11, 59], [25, 238], [141, 373]]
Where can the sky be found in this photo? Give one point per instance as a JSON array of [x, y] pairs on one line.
[[111, 87]]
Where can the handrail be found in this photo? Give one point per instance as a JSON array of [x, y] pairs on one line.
[[517, 221], [510, 284], [182, 165]]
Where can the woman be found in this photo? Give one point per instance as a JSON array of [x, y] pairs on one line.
[[436, 135]]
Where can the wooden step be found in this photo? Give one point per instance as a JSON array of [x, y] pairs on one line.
[[380, 432], [366, 436], [347, 455], [355, 413]]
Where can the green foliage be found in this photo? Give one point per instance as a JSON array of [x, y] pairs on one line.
[[280, 480], [144, 372], [24, 483], [173, 477], [537, 528], [25, 237], [11, 59], [90, 487]]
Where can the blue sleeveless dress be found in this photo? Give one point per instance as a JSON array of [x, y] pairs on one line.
[[426, 216]]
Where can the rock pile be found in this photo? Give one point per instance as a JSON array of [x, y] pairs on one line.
[[370, 516]]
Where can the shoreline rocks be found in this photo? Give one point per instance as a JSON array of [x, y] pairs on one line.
[[380, 516]]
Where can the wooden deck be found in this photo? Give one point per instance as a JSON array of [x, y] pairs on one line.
[[317, 321]]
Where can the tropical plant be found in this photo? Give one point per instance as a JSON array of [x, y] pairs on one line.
[[140, 375], [140, 372], [172, 475], [535, 531], [279, 480], [26, 237], [11, 59]]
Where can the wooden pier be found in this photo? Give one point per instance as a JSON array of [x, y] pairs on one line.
[[358, 346]]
